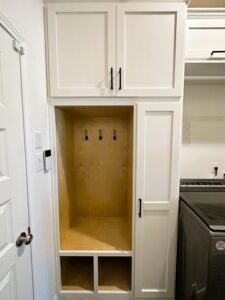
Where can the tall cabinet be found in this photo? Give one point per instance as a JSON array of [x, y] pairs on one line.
[[116, 74]]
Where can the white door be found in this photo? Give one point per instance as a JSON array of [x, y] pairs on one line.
[[157, 187], [150, 49], [82, 49], [15, 262]]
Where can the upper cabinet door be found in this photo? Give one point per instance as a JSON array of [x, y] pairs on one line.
[[150, 49], [82, 49]]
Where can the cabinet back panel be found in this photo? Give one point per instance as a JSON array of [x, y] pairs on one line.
[[100, 167]]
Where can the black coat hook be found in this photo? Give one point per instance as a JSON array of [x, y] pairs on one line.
[[86, 134], [100, 134], [114, 134]]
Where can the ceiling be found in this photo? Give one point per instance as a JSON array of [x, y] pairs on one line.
[[207, 3]]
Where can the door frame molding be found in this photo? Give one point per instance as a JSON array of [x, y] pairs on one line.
[[8, 26]]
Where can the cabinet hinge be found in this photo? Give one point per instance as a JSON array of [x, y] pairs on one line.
[[17, 47]]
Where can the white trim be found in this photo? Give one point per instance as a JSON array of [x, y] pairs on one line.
[[94, 253], [206, 13], [109, 101], [8, 26], [54, 181]]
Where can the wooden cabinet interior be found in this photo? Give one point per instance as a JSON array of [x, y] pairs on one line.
[[77, 273], [95, 177], [114, 273]]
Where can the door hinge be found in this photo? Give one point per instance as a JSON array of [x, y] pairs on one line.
[[17, 47]]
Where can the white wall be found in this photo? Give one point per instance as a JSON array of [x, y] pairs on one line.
[[27, 17], [203, 131]]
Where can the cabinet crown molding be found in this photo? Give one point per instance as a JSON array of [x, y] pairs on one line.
[[114, 1], [206, 13]]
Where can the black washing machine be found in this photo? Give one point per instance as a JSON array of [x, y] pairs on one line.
[[201, 241]]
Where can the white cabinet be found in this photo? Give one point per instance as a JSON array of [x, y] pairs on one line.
[[157, 181], [118, 192], [150, 43], [82, 51], [205, 34], [117, 181], [123, 49]]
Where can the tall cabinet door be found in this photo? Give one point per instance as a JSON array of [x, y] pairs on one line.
[[157, 188], [82, 51], [150, 49]]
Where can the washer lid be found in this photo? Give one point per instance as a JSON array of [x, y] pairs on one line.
[[209, 206]]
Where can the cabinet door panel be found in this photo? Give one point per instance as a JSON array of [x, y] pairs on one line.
[[157, 185], [150, 49], [154, 246], [82, 49]]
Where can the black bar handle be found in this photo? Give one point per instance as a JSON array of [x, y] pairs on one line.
[[217, 51], [120, 78], [111, 73], [140, 208]]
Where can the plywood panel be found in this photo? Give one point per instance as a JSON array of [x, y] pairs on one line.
[[95, 177], [114, 273], [97, 234], [64, 166], [77, 273], [100, 167]]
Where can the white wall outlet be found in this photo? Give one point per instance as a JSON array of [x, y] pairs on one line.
[[39, 161], [214, 171]]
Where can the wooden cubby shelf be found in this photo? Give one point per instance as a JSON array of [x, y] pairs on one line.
[[114, 273], [108, 234], [95, 177], [77, 273]]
